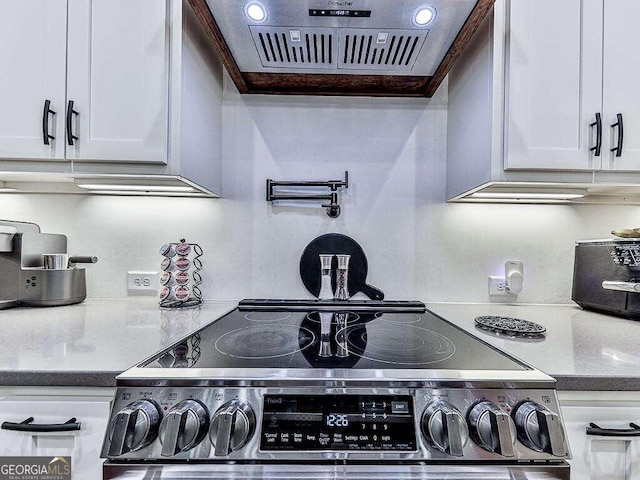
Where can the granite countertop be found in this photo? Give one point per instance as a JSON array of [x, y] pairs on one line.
[[90, 343], [582, 350]]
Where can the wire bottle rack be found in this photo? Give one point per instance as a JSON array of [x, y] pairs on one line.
[[181, 277]]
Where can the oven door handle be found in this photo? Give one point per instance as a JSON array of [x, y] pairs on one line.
[[594, 429], [621, 286]]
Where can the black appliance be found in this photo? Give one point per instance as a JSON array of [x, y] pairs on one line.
[[606, 276]]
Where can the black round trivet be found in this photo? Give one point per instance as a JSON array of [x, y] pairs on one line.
[[510, 326]]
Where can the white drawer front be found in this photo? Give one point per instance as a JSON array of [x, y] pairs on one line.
[[83, 446], [603, 457]]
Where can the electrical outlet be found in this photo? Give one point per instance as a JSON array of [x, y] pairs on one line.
[[140, 282], [498, 287]]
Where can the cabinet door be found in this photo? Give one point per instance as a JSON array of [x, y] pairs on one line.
[[622, 82], [33, 58], [599, 457], [83, 446], [118, 80], [554, 84]]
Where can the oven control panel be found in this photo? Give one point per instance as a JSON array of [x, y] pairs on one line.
[[338, 422], [229, 423]]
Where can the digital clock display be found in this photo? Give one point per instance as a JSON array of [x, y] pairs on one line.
[[337, 420]]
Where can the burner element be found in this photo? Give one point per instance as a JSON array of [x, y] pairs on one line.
[[398, 344], [265, 341], [510, 326], [349, 316], [267, 316], [399, 317]]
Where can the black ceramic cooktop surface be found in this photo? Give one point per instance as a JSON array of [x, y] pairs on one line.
[[332, 339]]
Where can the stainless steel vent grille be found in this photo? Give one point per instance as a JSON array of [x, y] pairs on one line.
[[354, 49], [368, 49], [312, 48]]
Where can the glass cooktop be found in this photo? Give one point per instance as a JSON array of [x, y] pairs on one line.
[[295, 339]]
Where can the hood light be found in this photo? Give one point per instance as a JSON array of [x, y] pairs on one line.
[[137, 188], [424, 16], [255, 12], [146, 193], [526, 195]]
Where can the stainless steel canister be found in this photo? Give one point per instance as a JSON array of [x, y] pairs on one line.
[[55, 261]]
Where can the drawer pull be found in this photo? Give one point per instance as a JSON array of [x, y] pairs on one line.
[[27, 426], [594, 429]]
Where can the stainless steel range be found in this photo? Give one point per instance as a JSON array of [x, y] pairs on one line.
[[329, 389]]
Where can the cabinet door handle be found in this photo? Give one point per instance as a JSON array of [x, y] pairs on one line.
[[70, 112], [46, 136], [594, 429], [27, 426], [620, 125], [598, 124]]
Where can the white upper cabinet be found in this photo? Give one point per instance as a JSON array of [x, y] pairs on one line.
[[103, 66], [572, 66], [32, 55], [135, 86], [621, 84], [534, 103], [554, 84], [117, 79]]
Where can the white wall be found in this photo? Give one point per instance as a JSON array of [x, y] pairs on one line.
[[418, 246]]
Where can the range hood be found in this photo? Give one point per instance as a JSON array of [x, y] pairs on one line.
[[340, 47]]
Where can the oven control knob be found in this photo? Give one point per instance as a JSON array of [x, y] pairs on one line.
[[232, 426], [134, 427], [540, 429], [183, 427], [492, 428], [444, 428]]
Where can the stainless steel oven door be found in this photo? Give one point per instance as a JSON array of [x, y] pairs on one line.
[[302, 471]]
